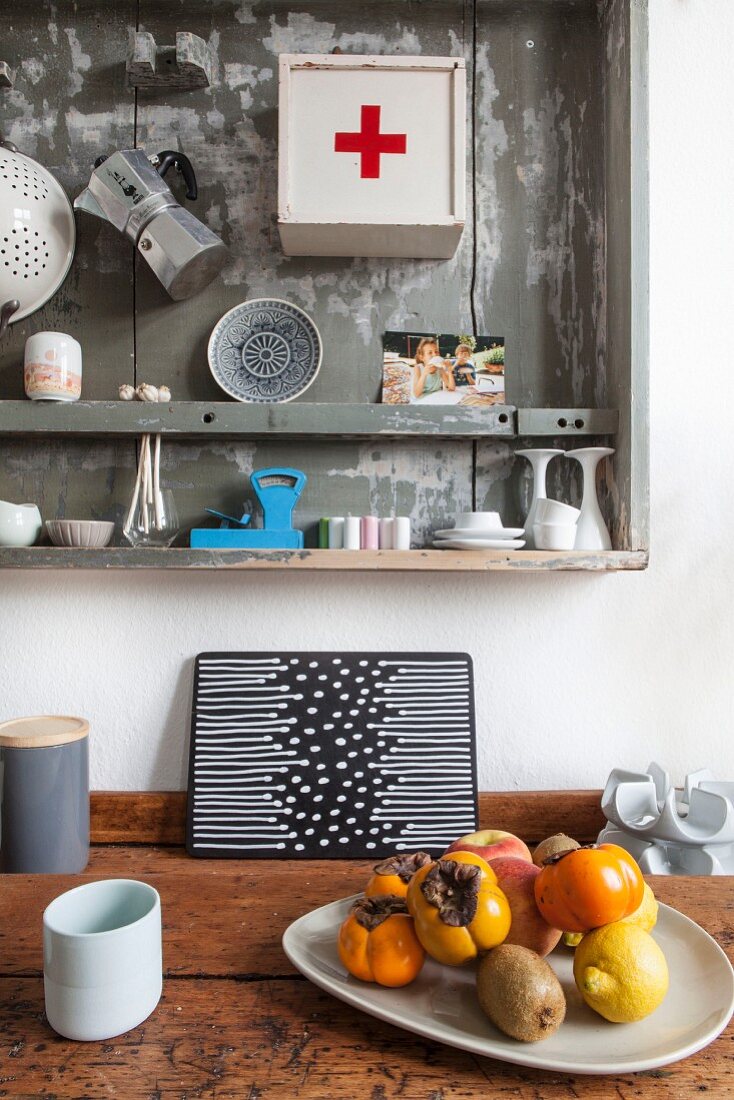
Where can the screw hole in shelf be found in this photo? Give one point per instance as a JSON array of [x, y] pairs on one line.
[[503, 418], [562, 423], [578, 423], [209, 417]]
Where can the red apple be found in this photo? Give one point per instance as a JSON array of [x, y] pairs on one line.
[[516, 879], [490, 844]]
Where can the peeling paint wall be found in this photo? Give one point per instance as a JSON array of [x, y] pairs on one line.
[[531, 265]]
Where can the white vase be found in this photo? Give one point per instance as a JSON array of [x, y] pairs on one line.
[[538, 457], [591, 530]]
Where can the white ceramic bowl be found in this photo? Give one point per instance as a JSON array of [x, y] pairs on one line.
[[89, 533], [483, 520], [555, 511], [20, 524], [554, 536]]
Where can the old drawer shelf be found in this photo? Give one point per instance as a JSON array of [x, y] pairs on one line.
[[553, 257], [386, 561], [227, 419]]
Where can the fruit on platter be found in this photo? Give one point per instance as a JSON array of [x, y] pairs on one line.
[[393, 874], [586, 887], [491, 844], [458, 908], [520, 993], [552, 846], [377, 942], [645, 917], [621, 972], [507, 914], [516, 879]]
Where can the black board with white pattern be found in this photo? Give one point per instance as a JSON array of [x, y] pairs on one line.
[[330, 755]]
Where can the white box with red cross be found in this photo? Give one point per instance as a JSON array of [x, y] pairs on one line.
[[371, 158]]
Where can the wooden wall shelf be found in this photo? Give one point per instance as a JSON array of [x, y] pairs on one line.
[[386, 561], [227, 419], [554, 257]]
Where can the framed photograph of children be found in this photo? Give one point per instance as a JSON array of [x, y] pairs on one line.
[[421, 368]]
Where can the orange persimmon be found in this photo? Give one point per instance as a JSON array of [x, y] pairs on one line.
[[586, 887], [377, 942], [459, 910], [393, 875]]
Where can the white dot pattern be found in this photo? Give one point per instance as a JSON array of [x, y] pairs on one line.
[[264, 781]]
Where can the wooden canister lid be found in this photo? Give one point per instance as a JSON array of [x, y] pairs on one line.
[[42, 732]]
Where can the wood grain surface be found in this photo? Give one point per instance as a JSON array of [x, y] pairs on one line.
[[236, 1020], [159, 817]]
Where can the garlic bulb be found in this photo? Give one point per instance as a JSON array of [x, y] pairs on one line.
[[127, 393], [147, 392], [164, 394]]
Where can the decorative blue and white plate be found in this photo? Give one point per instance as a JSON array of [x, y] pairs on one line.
[[265, 351]]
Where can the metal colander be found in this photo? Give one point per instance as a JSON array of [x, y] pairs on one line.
[[37, 235]]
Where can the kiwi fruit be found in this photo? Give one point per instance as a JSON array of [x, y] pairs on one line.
[[551, 846], [520, 993]]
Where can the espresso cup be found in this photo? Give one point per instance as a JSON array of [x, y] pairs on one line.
[[53, 367], [102, 958]]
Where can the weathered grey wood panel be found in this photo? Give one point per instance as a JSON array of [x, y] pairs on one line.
[[230, 133], [69, 102], [540, 197], [378, 561], [284, 422], [626, 138]]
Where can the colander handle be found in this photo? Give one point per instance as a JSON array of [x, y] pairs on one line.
[[6, 312], [183, 165], [5, 144]]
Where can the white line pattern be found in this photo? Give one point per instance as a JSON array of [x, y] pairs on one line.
[[326, 754]]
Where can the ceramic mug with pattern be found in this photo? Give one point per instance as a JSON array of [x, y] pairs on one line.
[[53, 367]]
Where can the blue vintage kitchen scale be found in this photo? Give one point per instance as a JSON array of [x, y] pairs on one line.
[[277, 490]]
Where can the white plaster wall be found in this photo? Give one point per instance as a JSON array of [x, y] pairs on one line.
[[574, 674]]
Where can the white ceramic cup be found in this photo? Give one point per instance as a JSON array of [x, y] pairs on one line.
[[555, 511], [478, 519], [102, 958], [20, 524], [53, 367], [554, 536]]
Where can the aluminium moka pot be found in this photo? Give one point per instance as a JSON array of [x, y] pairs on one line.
[[127, 190]]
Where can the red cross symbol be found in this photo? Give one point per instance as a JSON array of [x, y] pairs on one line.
[[369, 143]]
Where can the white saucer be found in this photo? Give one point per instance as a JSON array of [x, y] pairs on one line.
[[480, 533], [479, 544]]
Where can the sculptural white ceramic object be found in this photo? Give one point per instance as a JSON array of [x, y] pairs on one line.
[[538, 457], [670, 831], [591, 530]]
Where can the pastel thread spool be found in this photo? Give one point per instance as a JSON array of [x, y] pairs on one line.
[[401, 532], [370, 533], [386, 534], [336, 533], [323, 534], [352, 533]]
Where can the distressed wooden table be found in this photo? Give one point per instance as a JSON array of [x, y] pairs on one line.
[[236, 1020]]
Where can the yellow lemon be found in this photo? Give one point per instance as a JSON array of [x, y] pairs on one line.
[[621, 972], [645, 915]]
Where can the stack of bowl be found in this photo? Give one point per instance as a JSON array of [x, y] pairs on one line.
[[555, 525], [478, 531]]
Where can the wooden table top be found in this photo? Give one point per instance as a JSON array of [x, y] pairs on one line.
[[236, 1020]]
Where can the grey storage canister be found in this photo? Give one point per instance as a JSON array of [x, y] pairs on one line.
[[44, 795]]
